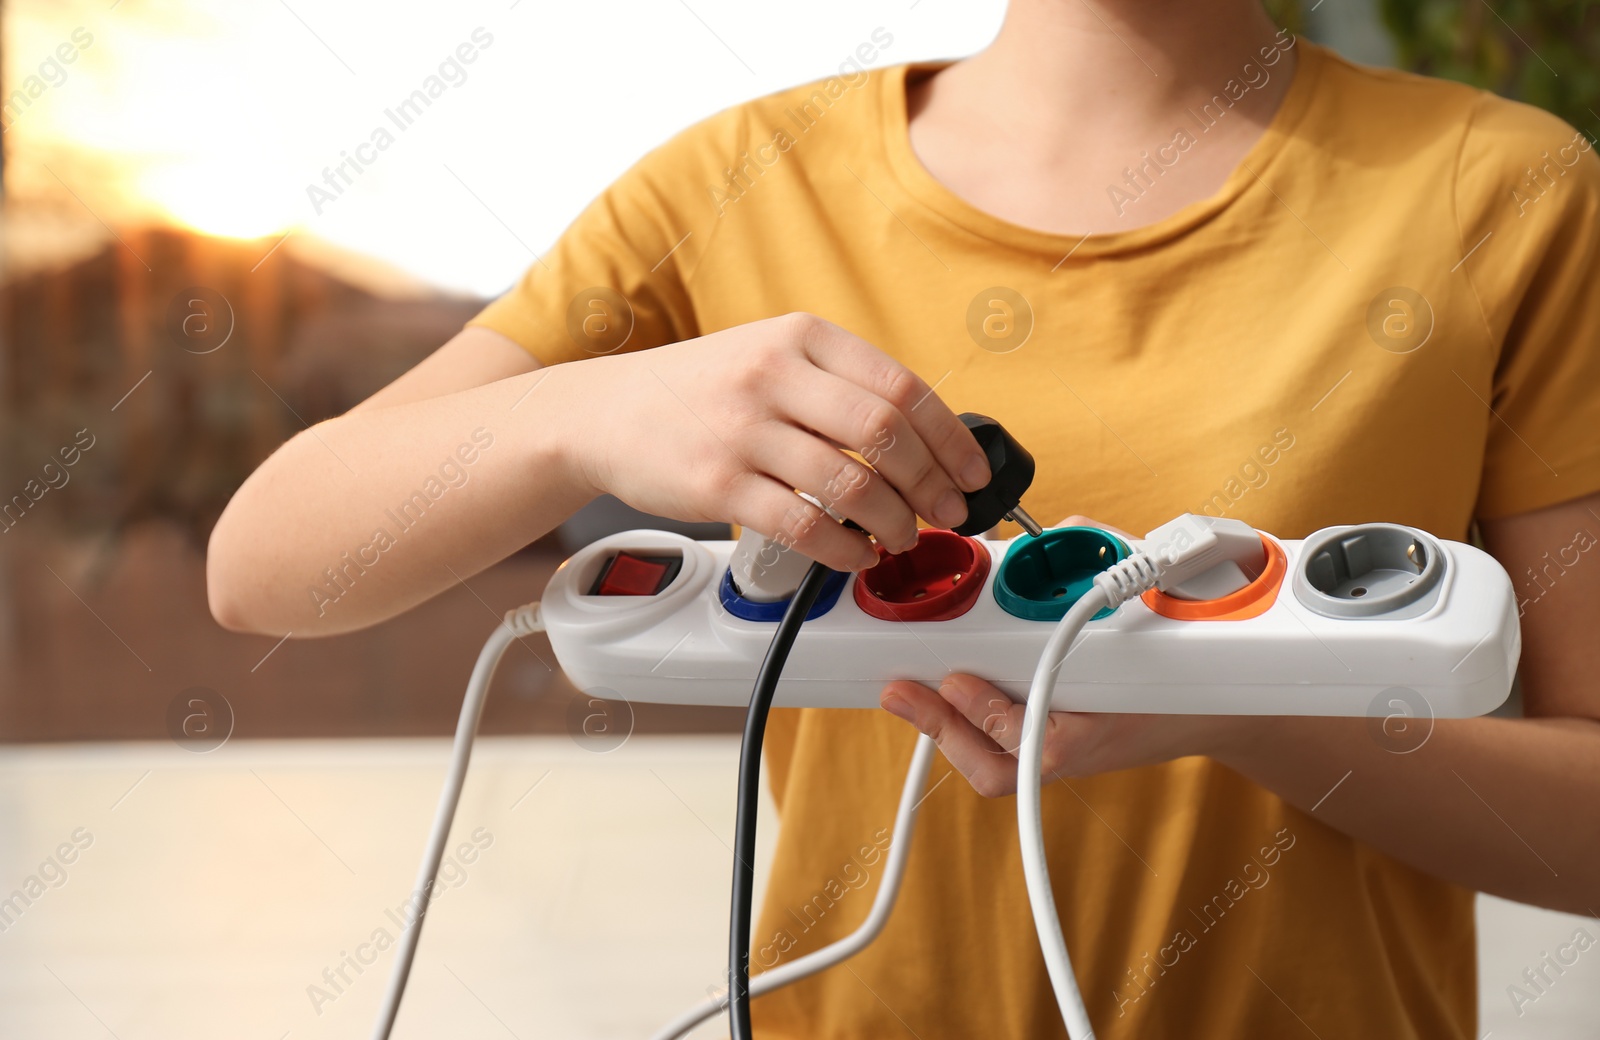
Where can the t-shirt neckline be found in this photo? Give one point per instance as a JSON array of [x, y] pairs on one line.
[[931, 193]]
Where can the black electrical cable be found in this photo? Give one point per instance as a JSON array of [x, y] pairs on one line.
[[744, 828]]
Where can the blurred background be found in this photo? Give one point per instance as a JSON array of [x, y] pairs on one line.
[[170, 285], [184, 285]]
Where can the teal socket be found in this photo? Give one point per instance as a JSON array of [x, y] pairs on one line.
[[1041, 578]]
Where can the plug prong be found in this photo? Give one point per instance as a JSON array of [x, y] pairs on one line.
[[1028, 523]]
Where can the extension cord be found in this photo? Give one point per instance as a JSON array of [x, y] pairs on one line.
[[652, 616], [1333, 624], [526, 620]]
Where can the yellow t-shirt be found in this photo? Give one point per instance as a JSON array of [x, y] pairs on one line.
[[1388, 312]]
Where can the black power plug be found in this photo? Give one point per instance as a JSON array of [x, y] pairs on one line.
[[1011, 472]]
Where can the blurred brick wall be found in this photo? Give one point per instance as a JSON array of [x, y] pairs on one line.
[[103, 617]]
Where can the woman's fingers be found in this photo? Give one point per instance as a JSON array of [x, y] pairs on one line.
[[845, 485], [987, 708], [766, 505], [978, 728], [935, 427], [988, 768], [855, 418], [1002, 719]]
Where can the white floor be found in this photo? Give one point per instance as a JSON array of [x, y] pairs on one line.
[[207, 895]]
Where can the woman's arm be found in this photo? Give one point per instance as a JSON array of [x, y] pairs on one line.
[[477, 451], [315, 507], [1505, 806]]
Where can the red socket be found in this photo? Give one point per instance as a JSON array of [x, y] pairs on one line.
[[937, 579]]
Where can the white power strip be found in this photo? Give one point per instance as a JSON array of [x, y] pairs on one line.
[[1345, 622], [1368, 609]]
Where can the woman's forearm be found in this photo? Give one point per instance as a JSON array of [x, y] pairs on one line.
[[1504, 806], [363, 516]]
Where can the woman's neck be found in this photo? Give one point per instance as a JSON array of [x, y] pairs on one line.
[[1072, 91]]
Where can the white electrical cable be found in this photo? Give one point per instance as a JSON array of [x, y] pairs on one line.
[[1112, 588], [1030, 823], [882, 905], [520, 622], [525, 621]]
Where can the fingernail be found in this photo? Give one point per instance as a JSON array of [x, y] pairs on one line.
[[869, 559], [975, 474], [951, 508], [896, 706]]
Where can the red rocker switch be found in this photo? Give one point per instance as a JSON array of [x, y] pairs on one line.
[[628, 575]]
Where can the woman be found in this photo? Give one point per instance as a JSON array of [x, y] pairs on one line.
[[1194, 264]]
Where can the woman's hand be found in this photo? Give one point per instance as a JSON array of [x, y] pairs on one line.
[[727, 426], [979, 728]]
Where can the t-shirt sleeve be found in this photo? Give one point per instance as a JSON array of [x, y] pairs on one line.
[[617, 278], [1528, 199]]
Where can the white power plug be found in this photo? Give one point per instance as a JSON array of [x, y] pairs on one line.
[[764, 571], [1204, 557]]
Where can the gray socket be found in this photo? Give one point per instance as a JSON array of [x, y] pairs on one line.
[[1370, 570]]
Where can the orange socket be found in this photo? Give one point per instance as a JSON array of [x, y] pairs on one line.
[[1250, 601], [937, 579]]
